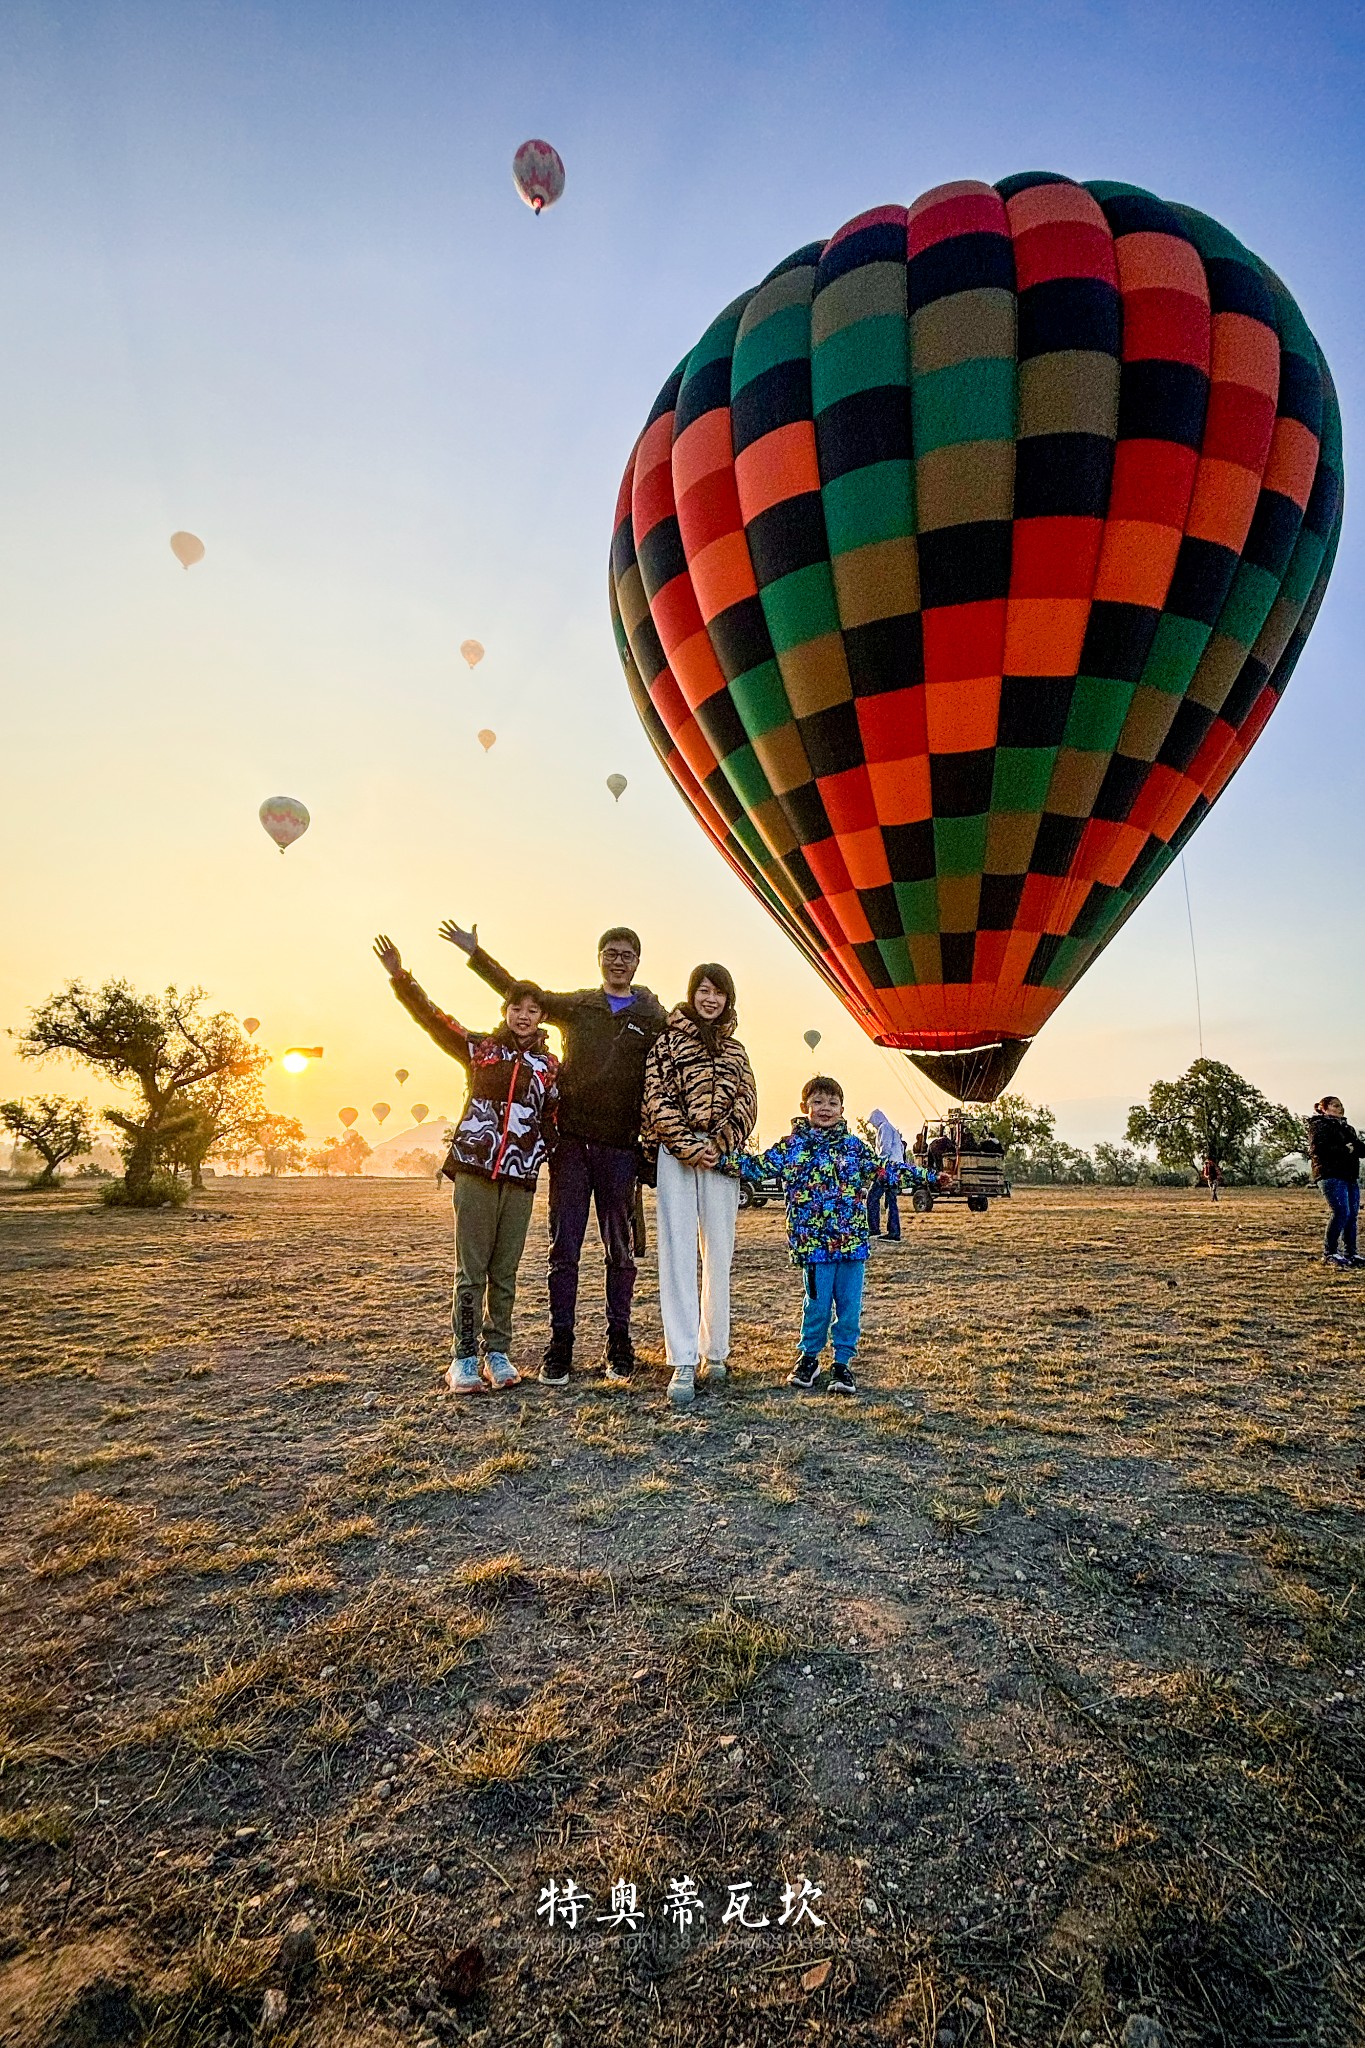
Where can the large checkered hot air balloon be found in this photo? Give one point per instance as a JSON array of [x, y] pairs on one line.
[[957, 569]]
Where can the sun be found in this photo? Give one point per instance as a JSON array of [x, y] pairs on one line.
[[294, 1062]]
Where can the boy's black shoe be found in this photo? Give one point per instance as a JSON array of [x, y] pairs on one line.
[[841, 1380], [554, 1366], [620, 1356], [805, 1373]]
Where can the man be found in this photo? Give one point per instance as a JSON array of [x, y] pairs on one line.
[[891, 1150], [607, 1033]]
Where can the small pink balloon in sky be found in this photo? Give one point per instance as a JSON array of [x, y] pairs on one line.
[[538, 173]]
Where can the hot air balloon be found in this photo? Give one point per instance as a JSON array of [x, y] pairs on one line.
[[251, 1025], [538, 174], [419, 1112], [348, 1116], [379, 1110], [472, 651], [616, 783], [400, 1075], [956, 571], [487, 739], [812, 1038], [285, 819], [187, 549]]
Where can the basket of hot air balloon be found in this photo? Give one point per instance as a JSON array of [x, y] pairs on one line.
[[955, 573]]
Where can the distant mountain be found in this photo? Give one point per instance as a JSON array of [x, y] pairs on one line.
[[427, 1137]]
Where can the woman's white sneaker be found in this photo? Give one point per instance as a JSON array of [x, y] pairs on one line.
[[682, 1386], [463, 1376], [713, 1370]]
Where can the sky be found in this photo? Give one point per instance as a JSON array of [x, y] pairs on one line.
[[267, 279]]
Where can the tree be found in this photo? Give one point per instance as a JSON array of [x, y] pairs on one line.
[[54, 1126], [1209, 1113], [417, 1165], [227, 1108], [280, 1140], [1020, 1126], [343, 1155], [1119, 1166], [165, 1046]]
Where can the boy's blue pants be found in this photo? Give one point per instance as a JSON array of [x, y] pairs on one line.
[[835, 1290]]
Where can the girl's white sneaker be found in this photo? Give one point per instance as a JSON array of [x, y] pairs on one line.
[[499, 1371]]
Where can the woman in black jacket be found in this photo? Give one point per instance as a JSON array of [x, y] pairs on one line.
[[1337, 1150]]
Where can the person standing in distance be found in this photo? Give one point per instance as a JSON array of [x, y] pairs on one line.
[[891, 1151], [1335, 1152], [607, 1032]]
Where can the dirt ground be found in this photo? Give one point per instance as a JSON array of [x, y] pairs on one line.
[[1042, 1662]]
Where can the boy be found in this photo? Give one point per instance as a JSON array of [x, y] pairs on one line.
[[500, 1144], [826, 1171]]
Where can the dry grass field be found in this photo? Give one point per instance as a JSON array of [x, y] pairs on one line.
[[1043, 1660]]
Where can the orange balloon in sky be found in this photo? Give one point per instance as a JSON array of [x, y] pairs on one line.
[[487, 739], [379, 1111], [472, 650], [187, 549], [251, 1025], [400, 1075], [348, 1116], [419, 1112]]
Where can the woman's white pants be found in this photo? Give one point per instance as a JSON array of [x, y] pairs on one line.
[[696, 1210]]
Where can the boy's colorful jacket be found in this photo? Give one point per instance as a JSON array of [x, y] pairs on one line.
[[507, 1124], [825, 1176]]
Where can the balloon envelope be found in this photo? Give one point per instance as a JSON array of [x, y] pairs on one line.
[[419, 1112], [616, 784], [285, 819], [251, 1025], [348, 1116], [400, 1075], [187, 549], [487, 739], [472, 651], [538, 173], [957, 570], [379, 1111], [812, 1039]]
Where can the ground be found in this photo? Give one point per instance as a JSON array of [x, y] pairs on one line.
[[1043, 1659]]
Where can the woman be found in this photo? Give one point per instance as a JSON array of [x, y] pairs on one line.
[[699, 1104], [1336, 1151]]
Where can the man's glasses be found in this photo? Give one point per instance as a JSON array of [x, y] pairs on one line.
[[618, 956]]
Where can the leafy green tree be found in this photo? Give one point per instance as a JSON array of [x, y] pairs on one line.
[[227, 1109], [1119, 1166], [1211, 1113], [165, 1047], [417, 1165], [53, 1126], [281, 1142], [1019, 1125]]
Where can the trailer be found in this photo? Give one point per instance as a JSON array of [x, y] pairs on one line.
[[963, 1165]]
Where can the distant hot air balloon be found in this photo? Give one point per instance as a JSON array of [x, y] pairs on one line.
[[348, 1116], [285, 819], [472, 650], [400, 1075], [956, 571], [251, 1025], [616, 783], [487, 739], [419, 1112], [187, 549], [538, 173], [379, 1110], [812, 1038]]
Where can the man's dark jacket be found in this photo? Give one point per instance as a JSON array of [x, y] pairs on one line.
[[1336, 1148], [603, 1075]]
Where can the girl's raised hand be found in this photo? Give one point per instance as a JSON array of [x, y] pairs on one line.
[[388, 955], [467, 941]]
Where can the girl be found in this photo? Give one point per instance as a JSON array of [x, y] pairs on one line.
[[500, 1145], [699, 1104], [1337, 1151]]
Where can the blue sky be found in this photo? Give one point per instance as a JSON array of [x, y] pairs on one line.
[[267, 278]]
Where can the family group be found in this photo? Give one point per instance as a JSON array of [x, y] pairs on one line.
[[639, 1093]]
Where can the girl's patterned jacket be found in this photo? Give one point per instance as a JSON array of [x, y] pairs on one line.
[[507, 1124], [825, 1176], [693, 1094]]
